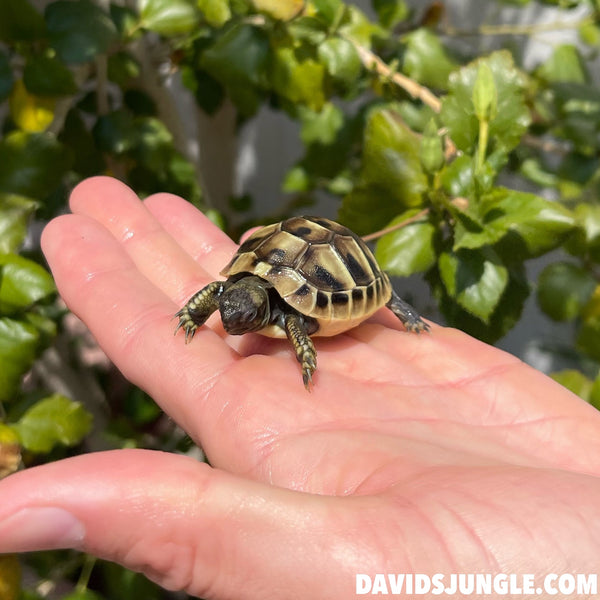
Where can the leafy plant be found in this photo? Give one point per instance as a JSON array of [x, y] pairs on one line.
[[414, 136]]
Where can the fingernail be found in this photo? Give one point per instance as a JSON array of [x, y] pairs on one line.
[[40, 528]]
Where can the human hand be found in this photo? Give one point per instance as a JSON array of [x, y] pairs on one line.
[[430, 453]]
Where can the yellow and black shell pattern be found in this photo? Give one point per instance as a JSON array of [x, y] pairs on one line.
[[319, 267]]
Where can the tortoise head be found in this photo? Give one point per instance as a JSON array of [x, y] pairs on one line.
[[244, 306]]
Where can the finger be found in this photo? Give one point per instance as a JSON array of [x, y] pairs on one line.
[[182, 523], [194, 232], [131, 318], [155, 252]]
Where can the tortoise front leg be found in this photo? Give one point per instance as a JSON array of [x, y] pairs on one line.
[[295, 329], [407, 314], [198, 308]]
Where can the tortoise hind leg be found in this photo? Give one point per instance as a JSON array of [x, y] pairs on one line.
[[296, 331], [198, 308], [407, 314]]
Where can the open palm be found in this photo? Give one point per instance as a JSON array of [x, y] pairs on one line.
[[430, 453]]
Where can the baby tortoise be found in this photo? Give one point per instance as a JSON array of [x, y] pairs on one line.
[[304, 276]]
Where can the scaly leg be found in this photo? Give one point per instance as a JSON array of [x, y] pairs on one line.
[[295, 329], [407, 314], [198, 308]]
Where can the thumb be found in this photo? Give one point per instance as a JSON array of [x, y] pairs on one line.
[[182, 523]]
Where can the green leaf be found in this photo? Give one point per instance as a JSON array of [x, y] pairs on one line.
[[586, 238], [83, 594], [408, 250], [122, 68], [281, 10], [308, 29], [431, 152], [457, 178], [154, 143], [22, 282], [20, 21], [564, 289], [299, 81], [588, 338], [534, 170], [18, 345], [426, 59], [594, 395], [565, 65], [589, 33], [238, 60], [32, 164], [328, 10], [45, 326], [296, 180], [577, 106], [11, 572], [485, 95], [512, 118], [169, 17], [215, 217], [391, 178], [540, 225], [390, 156], [575, 381], [87, 159], [506, 314], [341, 60], [48, 76], [116, 132], [390, 12], [79, 30], [15, 212], [216, 12], [126, 21], [51, 421], [357, 26], [321, 127], [6, 76], [476, 279], [209, 93], [139, 103]]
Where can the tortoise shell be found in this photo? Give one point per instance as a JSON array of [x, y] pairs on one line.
[[319, 267]]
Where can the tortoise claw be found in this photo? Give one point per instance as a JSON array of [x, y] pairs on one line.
[[198, 308], [309, 365], [407, 314], [295, 329], [186, 323]]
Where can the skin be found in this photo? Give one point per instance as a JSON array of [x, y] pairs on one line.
[[430, 453]]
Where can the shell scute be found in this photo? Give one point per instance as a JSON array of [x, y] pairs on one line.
[[353, 256], [257, 238], [312, 231]]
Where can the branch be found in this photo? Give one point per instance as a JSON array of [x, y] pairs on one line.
[[460, 203], [372, 62], [508, 29], [377, 234]]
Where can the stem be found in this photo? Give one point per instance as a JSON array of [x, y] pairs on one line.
[[546, 145], [461, 203], [391, 228], [516, 29], [372, 62], [86, 572], [484, 128]]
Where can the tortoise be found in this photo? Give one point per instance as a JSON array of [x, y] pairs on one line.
[[301, 277]]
